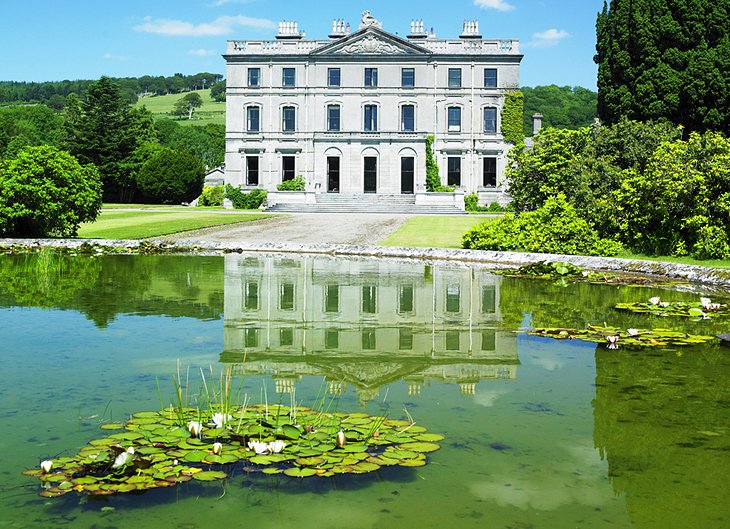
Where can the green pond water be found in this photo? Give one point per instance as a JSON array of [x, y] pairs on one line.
[[539, 433]]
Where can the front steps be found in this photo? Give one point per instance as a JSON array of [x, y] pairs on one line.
[[366, 203]]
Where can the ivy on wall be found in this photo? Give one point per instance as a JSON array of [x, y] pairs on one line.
[[433, 180], [512, 118]]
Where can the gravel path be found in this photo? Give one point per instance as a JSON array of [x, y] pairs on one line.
[[309, 228]]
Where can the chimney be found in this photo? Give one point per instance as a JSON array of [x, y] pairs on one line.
[[289, 31], [536, 123], [339, 29], [471, 30], [418, 30]]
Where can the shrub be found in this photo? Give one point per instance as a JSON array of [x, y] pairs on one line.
[[212, 196], [240, 200], [433, 180], [295, 184], [471, 203], [444, 189], [171, 176], [553, 228], [46, 192]]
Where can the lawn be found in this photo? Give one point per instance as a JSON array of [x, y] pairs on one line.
[[143, 224], [210, 112], [434, 232]]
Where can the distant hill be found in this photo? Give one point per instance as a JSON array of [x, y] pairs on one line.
[[161, 106], [562, 107]]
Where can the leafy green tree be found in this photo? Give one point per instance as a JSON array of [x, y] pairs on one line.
[[218, 91], [46, 192], [187, 104], [433, 180], [171, 177], [665, 59], [562, 107], [28, 125]]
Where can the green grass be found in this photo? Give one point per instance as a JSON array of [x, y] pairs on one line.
[[434, 232], [711, 263], [143, 224], [210, 112]]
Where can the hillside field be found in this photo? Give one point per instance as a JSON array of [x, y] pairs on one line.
[[161, 107]]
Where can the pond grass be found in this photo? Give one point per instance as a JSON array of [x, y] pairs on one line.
[[144, 224]]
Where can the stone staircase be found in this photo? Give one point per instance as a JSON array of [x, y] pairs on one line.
[[366, 203]]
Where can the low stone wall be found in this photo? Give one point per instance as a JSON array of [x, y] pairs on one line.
[[690, 273]]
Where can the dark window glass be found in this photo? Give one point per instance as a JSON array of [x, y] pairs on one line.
[[368, 339], [453, 171], [288, 168], [288, 77], [490, 172], [369, 302], [454, 119], [252, 170], [489, 298], [254, 77], [332, 298], [405, 338], [331, 339], [490, 120], [333, 117], [251, 337], [408, 77], [253, 119], [371, 118], [286, 336], [408, 118], [490, 78], [453, 298], [251, 296], [371, 77], [489, 340], [288, 119], [286, 296], [454, 77], [333, 77], [452, 340]]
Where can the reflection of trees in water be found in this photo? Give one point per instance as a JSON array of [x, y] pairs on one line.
[[661, 420], [101, 287]]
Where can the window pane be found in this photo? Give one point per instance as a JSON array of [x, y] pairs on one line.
[[408, 118], [454, 119], [405, 338], [489, 340], [252, 170], [490, 172], [368, 339], [371, 77], [489, 297], [369, 294], [454, 171], [254, 77], [287, 168], [371, 118], [288, 119], [251, 337], [253, 119], [332, 298], [454, 77], [490, 78], [286, 296], [251, 296], [286, 336], [490, 120], [452, 340], [408, 77], [333, 77], [333, 117], [405, 297], [453, 292], [331, 339], [288, 77]]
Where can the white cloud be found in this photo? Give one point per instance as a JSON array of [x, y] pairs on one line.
[[216, 28], [220, 3], [550, 37], [112, 57], [201, 53], [499, 5]]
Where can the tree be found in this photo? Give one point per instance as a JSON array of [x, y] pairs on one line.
[[665, 59], [46, 192], [187, 104], [218, 91], [562, 107], [171, 177], [433, 180]]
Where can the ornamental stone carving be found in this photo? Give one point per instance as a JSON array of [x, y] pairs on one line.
[[371, 45]]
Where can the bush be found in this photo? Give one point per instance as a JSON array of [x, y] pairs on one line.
[[241, 200], [212, 196], [433, 180], [443, 189], [471, 203], [295, 184], [45, 192], [553, 228], [171, 176]]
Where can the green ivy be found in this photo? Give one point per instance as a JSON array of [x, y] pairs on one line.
[[241, 200], [512, 118], [433, 180], [295, 184]]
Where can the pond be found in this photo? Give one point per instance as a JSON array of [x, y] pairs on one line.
[[539, 433]]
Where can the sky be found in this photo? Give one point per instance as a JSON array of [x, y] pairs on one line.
[[51, 40]]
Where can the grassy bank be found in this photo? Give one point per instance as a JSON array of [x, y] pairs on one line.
[[434, 232], [210, 112], [143, 224]]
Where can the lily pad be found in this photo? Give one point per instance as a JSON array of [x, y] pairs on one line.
[[209, 475], [422, 447], [297, 472]]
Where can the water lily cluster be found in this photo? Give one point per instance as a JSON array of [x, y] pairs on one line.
[[154, 449], [614, 338], [705, 308]]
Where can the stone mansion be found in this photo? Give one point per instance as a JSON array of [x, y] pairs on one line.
[[352, 114]]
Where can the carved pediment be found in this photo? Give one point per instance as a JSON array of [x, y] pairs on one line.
[[371, 41]]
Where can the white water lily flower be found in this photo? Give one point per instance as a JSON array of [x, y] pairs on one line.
[[341, 439], [46, 465], [259, 447], [706, 302], [123, 458], [664, 304], [277, 446], [217, 448], [612, 342], [194, 427], [632, 332], [655, 300], [220, 419]]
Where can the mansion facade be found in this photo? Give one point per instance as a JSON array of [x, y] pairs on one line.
[[352, 114]]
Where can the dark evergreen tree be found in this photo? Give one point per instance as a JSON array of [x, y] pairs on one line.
[[665, 59]]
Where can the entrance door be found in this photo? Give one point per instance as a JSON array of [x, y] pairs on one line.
[[333, 174], [407, 170], [370, 174]]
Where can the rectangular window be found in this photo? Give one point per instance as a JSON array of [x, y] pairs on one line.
[[369, 301], [251, 296], [332, 298], [252, 170], [371, 118], [405, 299], [288, 77], [288, 119], [405, 338], [253, 115], [454, 77], [251, 337], [286, 296], [454, 119], [490, 78], [490, 120], [452, 340], [371, 77], [453, 298], [489, 299], [333, 77], [331, 339], [408, 118], [490, 172], [408, 77], [333, 117], [286, 336], [368, 339], [254, 77], [489, 340], [288, 168], [453, 171]]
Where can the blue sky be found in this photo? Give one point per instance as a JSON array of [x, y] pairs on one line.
[[49, 40]]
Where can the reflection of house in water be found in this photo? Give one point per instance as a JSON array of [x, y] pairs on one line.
[[365, 323]]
